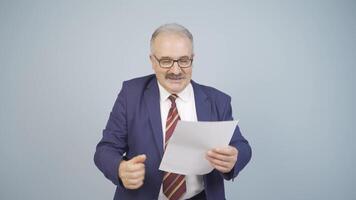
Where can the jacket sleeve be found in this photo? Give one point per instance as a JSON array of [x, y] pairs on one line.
[[113, 145], [239, 142]]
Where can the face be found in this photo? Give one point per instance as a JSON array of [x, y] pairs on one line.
[[173, 46]]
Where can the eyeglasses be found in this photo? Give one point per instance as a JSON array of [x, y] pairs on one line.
[[167, 62]]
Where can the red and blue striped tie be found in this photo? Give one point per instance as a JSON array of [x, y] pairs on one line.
[[174, 185]]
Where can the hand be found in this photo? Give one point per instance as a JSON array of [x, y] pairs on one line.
[[223, 159], [132, 172]]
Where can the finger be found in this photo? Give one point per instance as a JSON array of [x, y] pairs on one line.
[[221, 157], [129, 170], [220, 163], [131, 186], [138, 159], [229, 150], [135, 167], [134, 186], [134, 181], [136, 175], [128, 180], [218, 167]]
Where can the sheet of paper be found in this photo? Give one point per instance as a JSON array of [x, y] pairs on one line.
[[187, 147]]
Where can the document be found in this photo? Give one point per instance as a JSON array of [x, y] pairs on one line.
[[186, 150]]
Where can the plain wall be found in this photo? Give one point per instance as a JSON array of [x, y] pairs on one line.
[[288, 65]]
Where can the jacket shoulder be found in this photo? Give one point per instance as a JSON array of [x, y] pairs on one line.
[[213, 93], [140, 82]]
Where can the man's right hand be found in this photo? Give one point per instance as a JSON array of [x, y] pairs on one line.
[[132, 172]]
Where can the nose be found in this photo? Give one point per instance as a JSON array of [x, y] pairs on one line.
[[175, 68]]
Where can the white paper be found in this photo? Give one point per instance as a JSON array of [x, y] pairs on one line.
[[187, 147]]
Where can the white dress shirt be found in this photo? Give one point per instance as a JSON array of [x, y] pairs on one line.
[[187, 112]]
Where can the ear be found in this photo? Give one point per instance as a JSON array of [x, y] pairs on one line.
[[152, 60]]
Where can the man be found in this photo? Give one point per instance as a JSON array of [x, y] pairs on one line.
[[144, 116]]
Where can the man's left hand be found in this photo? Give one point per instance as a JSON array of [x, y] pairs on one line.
[[223, 159]]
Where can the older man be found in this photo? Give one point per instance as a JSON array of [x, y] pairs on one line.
[[144, 116]]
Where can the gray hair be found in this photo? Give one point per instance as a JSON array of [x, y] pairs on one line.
[[173, 28]]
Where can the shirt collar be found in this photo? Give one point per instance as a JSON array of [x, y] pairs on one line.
[[184, 95]]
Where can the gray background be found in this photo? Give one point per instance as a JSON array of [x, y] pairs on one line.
[[289, 66]]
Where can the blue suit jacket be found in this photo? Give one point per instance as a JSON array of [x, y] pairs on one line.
[[134, 127]]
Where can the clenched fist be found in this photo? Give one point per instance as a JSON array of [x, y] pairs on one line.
[[132, 172]]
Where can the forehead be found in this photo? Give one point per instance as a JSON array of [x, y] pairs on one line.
[[172, 45]]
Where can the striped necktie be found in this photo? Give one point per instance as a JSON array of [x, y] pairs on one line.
[[174, 185]]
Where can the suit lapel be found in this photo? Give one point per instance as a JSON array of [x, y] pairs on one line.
[[203, 108], [202, 103], [151, 98]]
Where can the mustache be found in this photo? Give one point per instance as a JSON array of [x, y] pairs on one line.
[[175, 76]]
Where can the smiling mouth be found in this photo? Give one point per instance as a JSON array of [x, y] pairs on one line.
[[175, 79]]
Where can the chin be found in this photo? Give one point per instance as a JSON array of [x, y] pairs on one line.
[[176, 88]]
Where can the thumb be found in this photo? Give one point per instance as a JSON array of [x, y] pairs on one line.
[[139, 159]]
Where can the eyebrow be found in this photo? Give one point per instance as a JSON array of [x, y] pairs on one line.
[[167, 57]]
